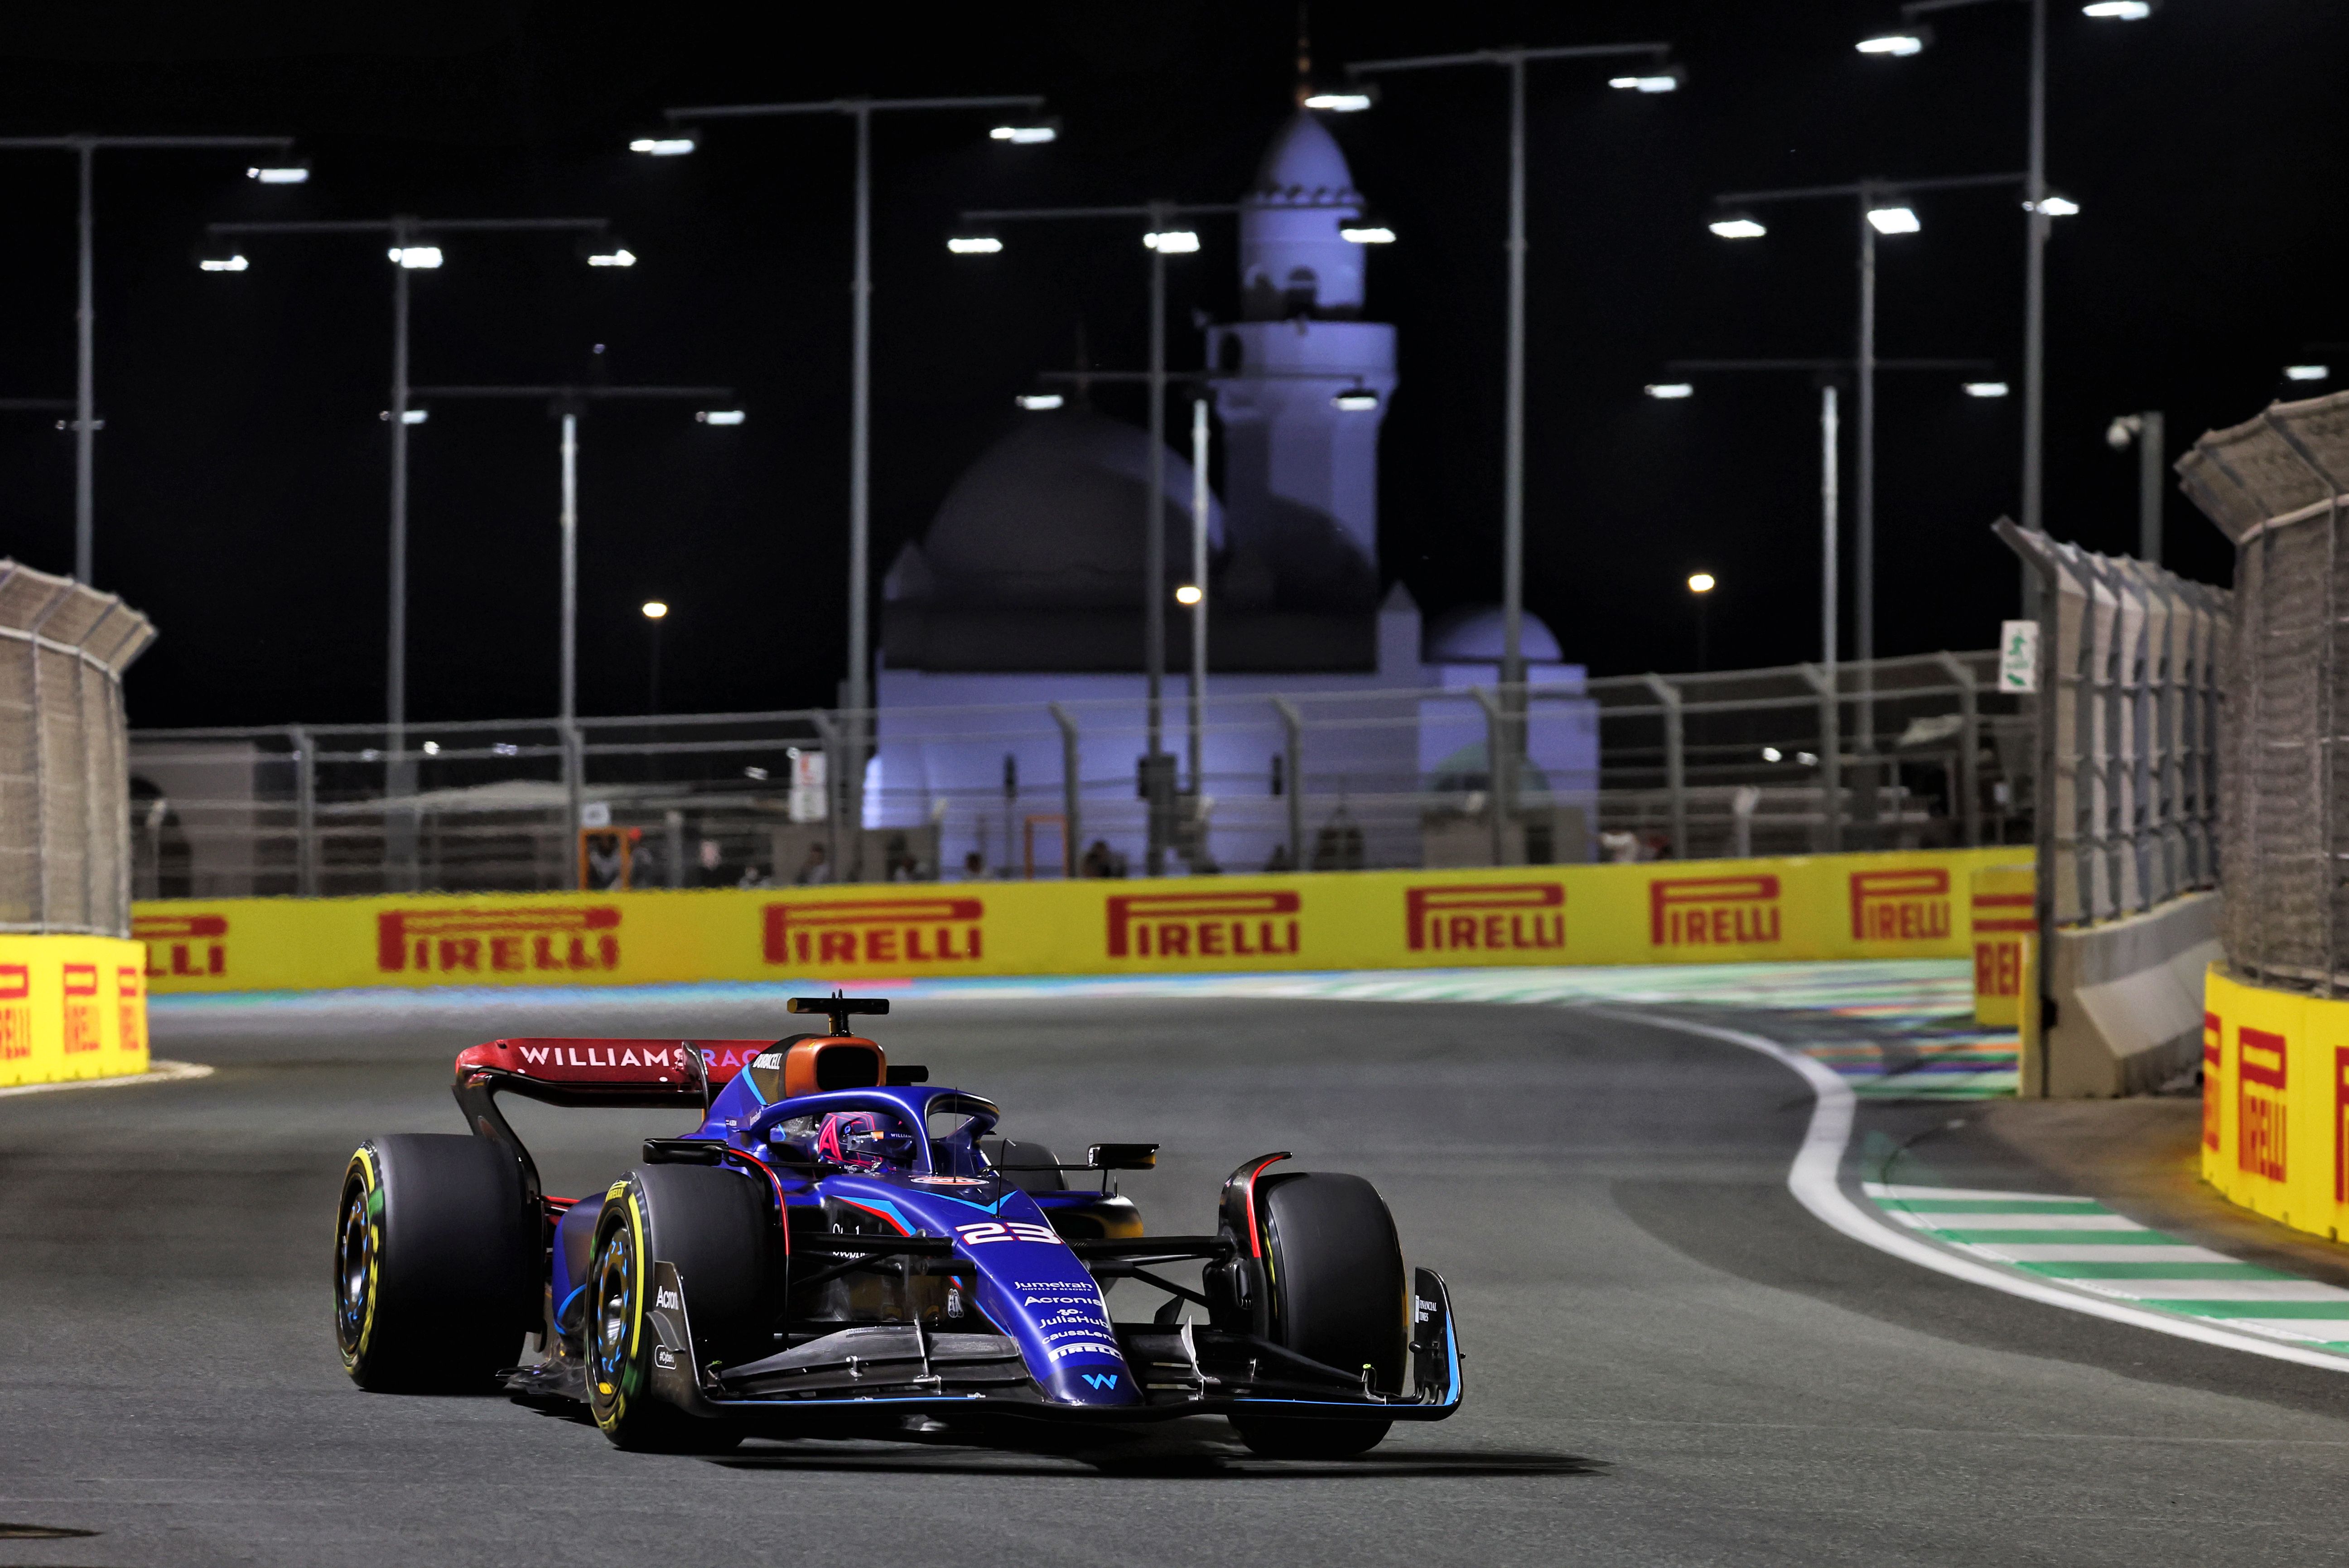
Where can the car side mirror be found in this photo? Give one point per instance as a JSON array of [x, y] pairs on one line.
[[1122, 1157]]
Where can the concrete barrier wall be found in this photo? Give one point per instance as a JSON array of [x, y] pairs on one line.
[[71, 1007], [2275, 1102], [1913, 905], [2127, 1003]]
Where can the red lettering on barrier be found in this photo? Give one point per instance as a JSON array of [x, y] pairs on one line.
[[451, 941], [1713, 911], [1908, 905], [16, 1022], [130, 999], [1511, 917], [184, 944], [816, 932], [1204, 925], [2260, 1064], [80, 988]]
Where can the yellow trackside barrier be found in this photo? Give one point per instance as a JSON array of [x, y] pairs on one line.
[[71, 1007], [2276, 1102], [2006, 921], [1909, 905]]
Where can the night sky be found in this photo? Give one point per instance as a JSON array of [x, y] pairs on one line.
[[242, 473]]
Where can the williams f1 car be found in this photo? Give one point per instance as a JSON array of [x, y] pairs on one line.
[[839, 1239]]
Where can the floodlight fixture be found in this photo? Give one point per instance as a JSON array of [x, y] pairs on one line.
[[2119, 10], [234, 262], [974, 244], [2051, 206], [2307, 372], [1738, 226], [1666, 391], [1701, 582], [669, 141], [1040, 402], [1896, 44], [1348, 100], [655, 610], [718, 417], [1668, 80], [432, 748], [606, 250], [1034, 134], [1173, 242], [290, 171], [1188, 595], [1771, 755], [407, 415], [1898, 218], [416, 257], [1366, 231], [1355, 399], [1985, 388]]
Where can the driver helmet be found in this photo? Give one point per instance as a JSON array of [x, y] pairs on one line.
[[864, 1140]]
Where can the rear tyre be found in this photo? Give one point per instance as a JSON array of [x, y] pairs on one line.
[[1338, 1296], [711, 1225], [434, 1264]]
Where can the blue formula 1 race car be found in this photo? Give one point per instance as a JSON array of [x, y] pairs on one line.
[[841, 1246]]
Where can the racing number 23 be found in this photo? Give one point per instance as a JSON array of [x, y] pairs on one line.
[[1008, 1230]]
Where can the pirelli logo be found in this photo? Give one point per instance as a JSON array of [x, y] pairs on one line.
[[1713, 911], [1909, 904], [814, 932], [82, 1029], [131, 1004], [15, 1011], [1488, 917], [2214, 1078], [561, 938], [2260, 1065], [183, 944], [1203, 925]]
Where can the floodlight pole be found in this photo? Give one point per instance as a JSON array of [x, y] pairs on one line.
[[1199, 583], [1159, 216], [1513, 463], [1865, 193], [404, 231], [85, 422], [858, 694]]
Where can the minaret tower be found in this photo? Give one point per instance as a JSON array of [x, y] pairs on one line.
[[1301, 382]]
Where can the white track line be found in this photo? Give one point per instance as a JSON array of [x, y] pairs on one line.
[[159, 1071], [1814, 1179]]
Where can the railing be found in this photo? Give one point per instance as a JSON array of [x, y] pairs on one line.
[[1905, 752]]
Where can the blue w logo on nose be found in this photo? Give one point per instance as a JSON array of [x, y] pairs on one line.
[[1102, 1379]]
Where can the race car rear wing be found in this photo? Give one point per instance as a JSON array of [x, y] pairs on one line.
[[582, 1071]]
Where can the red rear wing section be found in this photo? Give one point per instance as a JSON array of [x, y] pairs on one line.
[[567, 1072]]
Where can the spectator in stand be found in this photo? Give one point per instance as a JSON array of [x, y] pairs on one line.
[[815, 870]]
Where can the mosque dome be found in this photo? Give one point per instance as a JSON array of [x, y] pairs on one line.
[[1303, 166], [1473, 634], [1052, 516]]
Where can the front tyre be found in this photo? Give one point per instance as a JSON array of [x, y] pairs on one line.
[[1339, 1297], [434, 1263], [712, 1225]]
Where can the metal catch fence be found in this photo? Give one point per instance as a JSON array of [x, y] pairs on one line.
[[2275, 485], [1904, 752], [64, 864]]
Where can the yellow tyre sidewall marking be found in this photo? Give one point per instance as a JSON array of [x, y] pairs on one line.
[[619, 1394], [371, 1187]]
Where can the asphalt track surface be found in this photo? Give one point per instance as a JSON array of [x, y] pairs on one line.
[[1670, 1362]]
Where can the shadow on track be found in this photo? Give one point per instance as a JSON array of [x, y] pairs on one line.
[[1160, 1466]]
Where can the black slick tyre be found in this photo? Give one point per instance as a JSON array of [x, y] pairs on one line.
[[434, 1264], [711, 1225], [1339, 1297]]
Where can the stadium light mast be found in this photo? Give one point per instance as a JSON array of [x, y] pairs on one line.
[[86, 422], [1658, 77], [1022, 131]]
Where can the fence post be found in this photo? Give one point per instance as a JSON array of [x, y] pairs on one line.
[[1071, 789], [1675, 760], [41, 759], [574, 790], [1292, 747], [1825, 681], [1969, 744], [305, 812], [1496, 738], [834, 789]]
